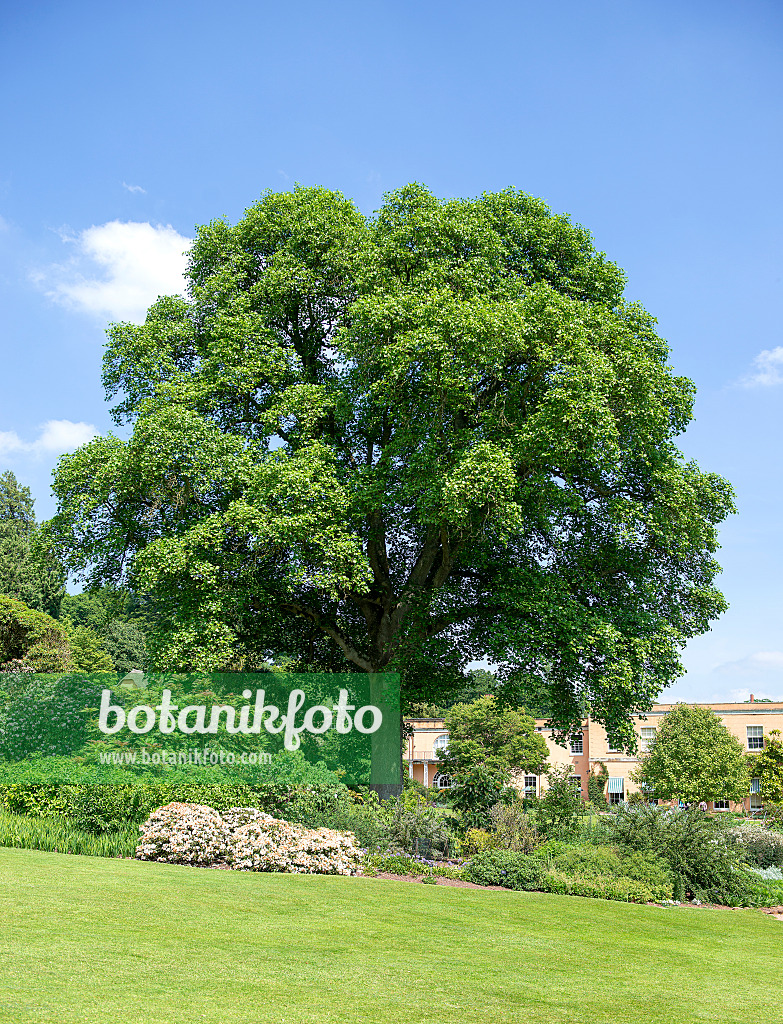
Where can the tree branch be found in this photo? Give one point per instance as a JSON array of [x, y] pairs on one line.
[[331, 631]]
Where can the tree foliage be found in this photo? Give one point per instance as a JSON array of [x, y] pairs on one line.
[[116, 619], [694, 757], [32, 638], [561, 806], [767, 767], [482, 733], [27, 573], [406, 442], [88, 654]]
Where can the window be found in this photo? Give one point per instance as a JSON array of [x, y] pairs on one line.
[[443, 781], [441, 743], [613, 746], [577, 745], [755, 737], [720, 805], [576, 781], [648, 737], [616, 790], [531, 783], [755, 795]]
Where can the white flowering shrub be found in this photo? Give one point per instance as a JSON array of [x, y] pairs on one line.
[[183, 834], [268, 844], [245, 838], [235, 817]]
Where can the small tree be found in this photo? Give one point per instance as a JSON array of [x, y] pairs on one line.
[[477, 788], [27, 572], [694, 757], [482, 733], [561, 805], [596, 783], [87, 651], [767, 767]]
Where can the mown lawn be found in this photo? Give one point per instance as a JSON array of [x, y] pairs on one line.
[[95, 940]]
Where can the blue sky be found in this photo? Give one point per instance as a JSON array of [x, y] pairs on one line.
[[655, 124]]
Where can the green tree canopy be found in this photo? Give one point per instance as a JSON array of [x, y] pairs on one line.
[[27, 573], [500, 739], [405, 442], [88, 653], [117, 621], [694, 757], [767, 767]]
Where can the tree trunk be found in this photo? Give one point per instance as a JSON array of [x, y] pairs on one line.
[[386, 746]]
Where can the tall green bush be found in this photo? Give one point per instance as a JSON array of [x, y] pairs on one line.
[[560, 809], [696, 847], [32, 638]]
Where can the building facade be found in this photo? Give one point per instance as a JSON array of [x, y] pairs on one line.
[[751, 723]]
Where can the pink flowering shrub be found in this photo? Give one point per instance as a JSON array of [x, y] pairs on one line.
[[245, 838]]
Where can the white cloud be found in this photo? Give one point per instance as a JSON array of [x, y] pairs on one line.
[[767, 369], [760, 674], [743, 695], [119, 269], [56, 437], [134, 188], [761, 661]]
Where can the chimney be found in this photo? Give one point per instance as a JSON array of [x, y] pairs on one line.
[[751, 698]]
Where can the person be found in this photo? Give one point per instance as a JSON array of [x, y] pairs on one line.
[[703, 806]]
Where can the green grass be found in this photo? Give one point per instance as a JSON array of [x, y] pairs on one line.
[[98, 940]]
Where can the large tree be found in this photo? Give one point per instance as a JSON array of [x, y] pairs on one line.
[[694, 757], [26, 572], [411, 441]]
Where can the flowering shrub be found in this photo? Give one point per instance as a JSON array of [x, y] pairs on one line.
[[183, 834], [245, 838], [268, 844], [758, 846], [236, 818]]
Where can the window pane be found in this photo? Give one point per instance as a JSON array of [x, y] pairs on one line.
[[755, 737]]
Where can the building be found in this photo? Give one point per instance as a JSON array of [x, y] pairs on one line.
[[750, 723]]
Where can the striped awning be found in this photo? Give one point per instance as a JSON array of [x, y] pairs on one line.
[[615, 785], [755, 785]]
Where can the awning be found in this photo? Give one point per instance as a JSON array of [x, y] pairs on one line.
[[615, 785], [755, 785]]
